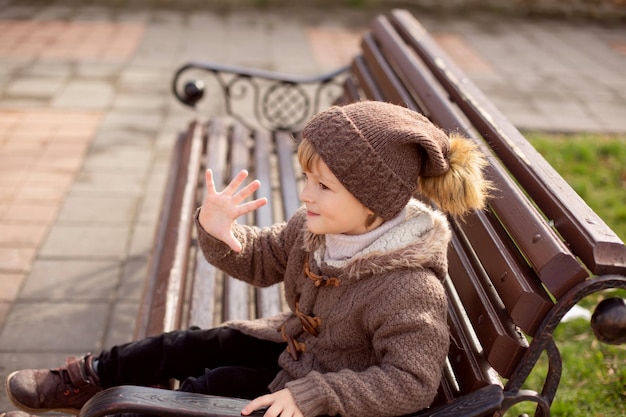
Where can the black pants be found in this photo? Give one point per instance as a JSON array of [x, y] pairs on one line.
[[217, 361]]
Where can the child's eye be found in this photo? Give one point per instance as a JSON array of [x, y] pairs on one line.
[[323, 187], [304, 177]]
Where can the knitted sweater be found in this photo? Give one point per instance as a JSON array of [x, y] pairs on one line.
[[366, 336]]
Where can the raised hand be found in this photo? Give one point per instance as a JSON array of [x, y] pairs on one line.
[[220, 210]]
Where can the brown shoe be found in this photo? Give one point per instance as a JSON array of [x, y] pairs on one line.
[[64, 389]]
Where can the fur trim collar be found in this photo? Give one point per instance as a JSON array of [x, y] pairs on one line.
[[421, 240]]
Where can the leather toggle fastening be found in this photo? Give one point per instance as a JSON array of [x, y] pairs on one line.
[[293, 346], [320, 280], [310, 324]]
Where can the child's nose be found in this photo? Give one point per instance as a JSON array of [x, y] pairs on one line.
[[305, 195]]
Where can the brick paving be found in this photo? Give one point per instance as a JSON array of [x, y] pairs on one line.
[[69, 40], [87, 123], [40, 154]]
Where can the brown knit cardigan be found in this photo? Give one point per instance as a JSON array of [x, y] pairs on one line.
[[367, 336]]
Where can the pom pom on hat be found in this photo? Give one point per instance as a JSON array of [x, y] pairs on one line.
[[379, 151], [462, 188]]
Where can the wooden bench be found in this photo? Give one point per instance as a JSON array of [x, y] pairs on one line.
[[515, 269]]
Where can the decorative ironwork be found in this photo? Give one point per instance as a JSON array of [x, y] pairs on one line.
[[259, 98], [544, 342]]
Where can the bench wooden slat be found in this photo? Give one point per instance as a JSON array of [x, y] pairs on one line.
[[468, 367], [204, 311], [160, 309], [350, 92], [593, 241], [414, 74], [268, 300], [524, 297], [391, 86], [502, 343], [557, 268], [285, 148], [237, 293], [366, 80]]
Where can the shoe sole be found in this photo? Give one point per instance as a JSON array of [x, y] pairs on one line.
[[33, 410]]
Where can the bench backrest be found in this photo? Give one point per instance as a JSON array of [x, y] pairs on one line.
[[509, 264]]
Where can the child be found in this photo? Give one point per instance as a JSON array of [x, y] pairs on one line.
[[362, 265]]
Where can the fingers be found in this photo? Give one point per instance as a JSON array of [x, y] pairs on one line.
[[236, 182], [255, 404], [280, 403], [220, 210], [233, 243], [252, 205], [232, 188]]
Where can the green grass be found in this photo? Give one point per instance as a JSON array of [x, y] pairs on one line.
[[593, 383], [595, 166]]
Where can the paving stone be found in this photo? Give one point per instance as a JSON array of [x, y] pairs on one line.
[[23, 103], [84, 95], [71, 280], [46, 69], [16, 259], [95, 182], [122, 326], [141, 240], [25, 212], [567, 116], [21, 235], [99, 70], [5, 306], [97, 210], [10, 284], [133, 280], [131, 123], [85, 241], [146, 102], [129, 156], [76, 326], [34, 87]]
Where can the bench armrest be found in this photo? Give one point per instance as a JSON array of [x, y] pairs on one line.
[[168, 403], [161, 402], [279, 101]]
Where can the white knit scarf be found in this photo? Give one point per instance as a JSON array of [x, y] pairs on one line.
[[340, 247]]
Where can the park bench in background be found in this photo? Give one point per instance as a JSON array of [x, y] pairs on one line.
[[515, 269]]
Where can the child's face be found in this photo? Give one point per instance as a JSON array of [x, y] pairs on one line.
[[331, 208]]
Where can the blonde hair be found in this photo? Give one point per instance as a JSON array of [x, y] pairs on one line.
[[307, 155]]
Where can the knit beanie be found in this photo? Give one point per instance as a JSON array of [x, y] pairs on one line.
[[378, 151]]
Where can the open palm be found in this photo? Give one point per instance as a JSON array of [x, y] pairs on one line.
[[220, 210]]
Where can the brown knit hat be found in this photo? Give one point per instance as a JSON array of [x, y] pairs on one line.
[[378, 150]]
